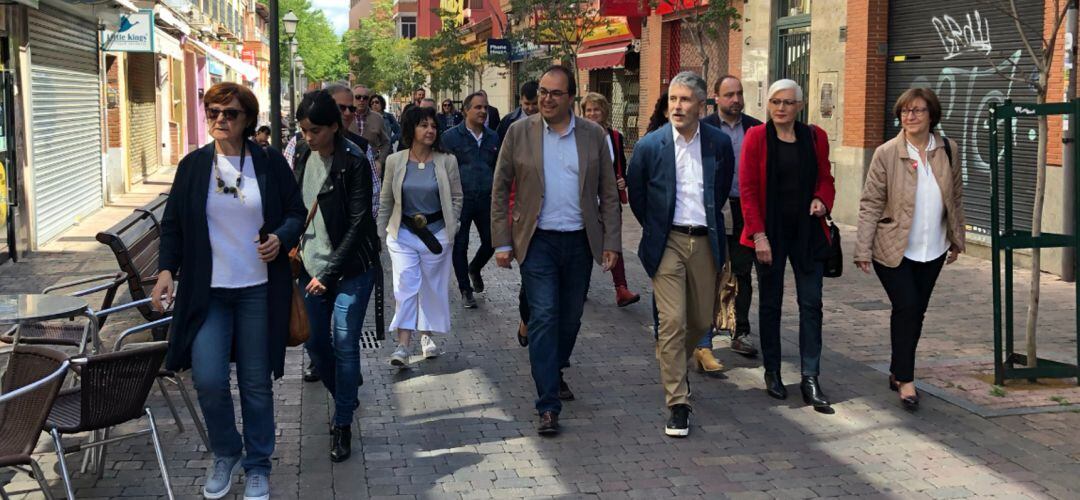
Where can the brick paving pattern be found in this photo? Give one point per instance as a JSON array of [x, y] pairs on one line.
[[462, 426]]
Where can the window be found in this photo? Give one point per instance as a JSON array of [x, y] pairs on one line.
[[408, 27]]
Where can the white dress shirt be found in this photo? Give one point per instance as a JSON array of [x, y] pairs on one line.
[[927, 239], [689, 181]]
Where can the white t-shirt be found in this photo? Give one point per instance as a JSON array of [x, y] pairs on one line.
[[234, 223]]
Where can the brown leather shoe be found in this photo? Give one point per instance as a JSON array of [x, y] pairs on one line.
[[523, 334], [549, 424], [706, 361], [742, 344], [624, 297]]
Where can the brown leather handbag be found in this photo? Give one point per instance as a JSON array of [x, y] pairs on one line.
[[299, 328], [727, 288]]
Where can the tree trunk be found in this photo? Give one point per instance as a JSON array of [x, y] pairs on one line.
[[1036, 230]]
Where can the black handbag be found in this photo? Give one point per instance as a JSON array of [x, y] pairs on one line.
[[834, 265]]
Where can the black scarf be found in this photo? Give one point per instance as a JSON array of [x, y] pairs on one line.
[[809, 243]]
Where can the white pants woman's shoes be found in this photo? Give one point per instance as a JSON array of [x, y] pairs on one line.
[[421, 283]]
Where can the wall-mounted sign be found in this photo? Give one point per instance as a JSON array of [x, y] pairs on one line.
[[135, 33], [498, 47], [248, 56]]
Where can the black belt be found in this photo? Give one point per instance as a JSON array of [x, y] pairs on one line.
[[419, 223], [691, 230], [424, 220]]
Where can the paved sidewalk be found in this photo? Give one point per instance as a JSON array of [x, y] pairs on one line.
[[462, 426]]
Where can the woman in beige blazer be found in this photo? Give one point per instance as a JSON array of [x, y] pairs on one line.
[[418, 215], [911, 222]]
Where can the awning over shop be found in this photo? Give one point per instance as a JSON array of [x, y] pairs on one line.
[[600, 57], [166, 44], [246, 70]]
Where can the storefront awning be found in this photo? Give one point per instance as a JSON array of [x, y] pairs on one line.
[[599, 59], [249, 72]]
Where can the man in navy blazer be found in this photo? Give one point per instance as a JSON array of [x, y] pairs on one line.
[[678, 181]]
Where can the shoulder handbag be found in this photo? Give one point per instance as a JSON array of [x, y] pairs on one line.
[[299, 328], [834, 263]]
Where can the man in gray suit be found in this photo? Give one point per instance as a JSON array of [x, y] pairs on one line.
[[566, 213]]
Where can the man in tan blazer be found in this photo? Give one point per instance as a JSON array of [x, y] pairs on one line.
[[565, 214], [369, 124]]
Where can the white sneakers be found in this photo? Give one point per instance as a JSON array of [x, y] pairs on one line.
[[427, 345], [400, 357]]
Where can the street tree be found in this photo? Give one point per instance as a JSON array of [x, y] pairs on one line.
[[444, 57], [562, 25], [377, 57], [1043, 57], [317, 44], [705, 21]]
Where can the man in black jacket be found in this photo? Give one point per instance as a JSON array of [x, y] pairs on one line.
[[492, 120], [528, 105], [730, 119]]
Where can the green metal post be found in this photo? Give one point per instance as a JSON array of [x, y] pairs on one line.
[[1074, 120], [995, 253], [1008, 231]]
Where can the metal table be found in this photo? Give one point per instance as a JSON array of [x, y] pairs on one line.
[[21, 309]]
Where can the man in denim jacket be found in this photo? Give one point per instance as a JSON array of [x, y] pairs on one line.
[[476, 148]]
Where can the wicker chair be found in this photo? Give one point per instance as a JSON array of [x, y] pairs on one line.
[[113, 390], [169, 376], [30, 385]]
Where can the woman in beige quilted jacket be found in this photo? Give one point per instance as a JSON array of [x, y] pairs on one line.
[[911, 223]]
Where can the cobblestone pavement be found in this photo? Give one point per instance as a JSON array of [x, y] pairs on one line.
[[462, 425]]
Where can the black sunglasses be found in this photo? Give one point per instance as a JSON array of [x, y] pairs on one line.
[[347, 107], [230, 113], [360, 97]]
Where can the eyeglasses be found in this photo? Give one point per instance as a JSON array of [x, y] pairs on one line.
[[361, 97], [347, 107], [913, 111], [557, 94], [784, 102], [446, 105], [229, 113]]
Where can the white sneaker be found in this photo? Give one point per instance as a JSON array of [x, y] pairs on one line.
[[400, 357], [427, 344]]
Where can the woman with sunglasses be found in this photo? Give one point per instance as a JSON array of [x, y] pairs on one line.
[[390, 123], [233, 213], [340, 253], [449, 117], [787, 189]]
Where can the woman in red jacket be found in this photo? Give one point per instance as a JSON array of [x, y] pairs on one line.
[[787, 189]]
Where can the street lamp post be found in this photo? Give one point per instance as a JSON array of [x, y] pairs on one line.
[[292, 86], [290, 21], [298, 63]]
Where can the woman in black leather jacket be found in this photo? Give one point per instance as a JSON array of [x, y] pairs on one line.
[[340, 251]]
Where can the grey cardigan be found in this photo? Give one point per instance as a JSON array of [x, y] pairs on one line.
[[450, 195]]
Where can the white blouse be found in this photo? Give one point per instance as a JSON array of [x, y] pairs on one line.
[[234, 224], [927, 239]]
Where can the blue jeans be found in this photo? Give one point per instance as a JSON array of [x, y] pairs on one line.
[[554, 276], [476, 209], [337, 319], [236, 326], [808, 284]]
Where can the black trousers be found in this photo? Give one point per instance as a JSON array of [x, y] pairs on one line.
[[475, 210], [742, 261], [908, 286]]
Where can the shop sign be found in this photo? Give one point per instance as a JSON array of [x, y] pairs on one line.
[[135, 33], [248, 56], [498, 47], [215, 67]]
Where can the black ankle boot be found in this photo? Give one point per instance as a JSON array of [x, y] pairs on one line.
[[813, 395], [774, 386], [340, 443]]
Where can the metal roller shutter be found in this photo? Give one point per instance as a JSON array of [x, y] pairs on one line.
[[143, 147], [65, 107], [958, 49]]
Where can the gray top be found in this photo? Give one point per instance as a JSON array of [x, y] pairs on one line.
[[420, 193], [316, 247]]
